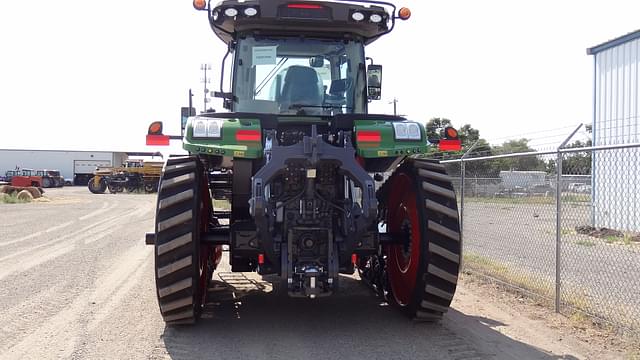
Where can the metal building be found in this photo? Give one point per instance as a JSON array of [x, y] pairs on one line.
[[616, 112], [75, 166]]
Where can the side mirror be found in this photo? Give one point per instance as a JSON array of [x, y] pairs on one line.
[[374, 81]]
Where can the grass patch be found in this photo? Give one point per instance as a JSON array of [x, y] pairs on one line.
[[587, 243], [610, 239], [534, 200], [577, 303], [11, 199], [500, 271], [565, 232], [576, 198], [512, 200]]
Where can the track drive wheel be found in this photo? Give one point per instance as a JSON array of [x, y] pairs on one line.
[[423, 272], [99, 188], [182, 266]]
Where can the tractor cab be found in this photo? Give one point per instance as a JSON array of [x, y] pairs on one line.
[[301, 58]]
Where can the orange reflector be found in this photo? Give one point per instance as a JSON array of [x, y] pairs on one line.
[[200, 4], [157, 140], [368, 136], [261, 259], [451, 133], [449, 145], [354, 259], [155, 128], [404, 13], [248, 135]]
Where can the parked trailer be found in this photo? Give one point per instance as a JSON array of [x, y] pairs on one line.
[[134, 175], [83, 170]]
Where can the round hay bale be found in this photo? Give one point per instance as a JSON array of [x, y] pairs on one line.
[[34, 191], [6, 189], [3, 197], [25, 196]]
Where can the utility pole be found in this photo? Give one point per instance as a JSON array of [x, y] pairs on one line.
[[205, 67], [395, 107]]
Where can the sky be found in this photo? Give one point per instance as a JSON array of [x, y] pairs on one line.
[[91, 75]]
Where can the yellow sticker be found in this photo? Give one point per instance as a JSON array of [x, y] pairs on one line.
[[238, 153], [382, 153]]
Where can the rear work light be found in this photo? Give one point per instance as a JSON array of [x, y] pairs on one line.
[[407, 131], [230, 12], [250, 11]]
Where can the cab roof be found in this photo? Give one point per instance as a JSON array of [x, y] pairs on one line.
[[363, 19]]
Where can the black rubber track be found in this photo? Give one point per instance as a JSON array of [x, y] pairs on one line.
[[177, 250], [440, 229]]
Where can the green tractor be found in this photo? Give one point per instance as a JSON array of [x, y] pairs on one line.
[[317, 186]]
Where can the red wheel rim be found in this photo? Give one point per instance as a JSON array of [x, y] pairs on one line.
[[403, 262]]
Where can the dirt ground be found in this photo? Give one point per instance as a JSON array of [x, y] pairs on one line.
[[78, 283], [533, 321]]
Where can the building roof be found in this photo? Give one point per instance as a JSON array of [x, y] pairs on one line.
[[614, 42]]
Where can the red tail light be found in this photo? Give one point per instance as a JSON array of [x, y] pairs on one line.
[[304, 6], [248, 135], [449, 145], [261, 259], [368, 136], [158, 140]]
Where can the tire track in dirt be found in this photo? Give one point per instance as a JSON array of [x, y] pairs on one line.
[[61, 334], [59, 246]]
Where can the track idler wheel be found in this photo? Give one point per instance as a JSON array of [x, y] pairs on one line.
[[183, 267], [422, 271]]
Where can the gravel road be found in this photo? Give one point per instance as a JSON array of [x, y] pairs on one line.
[[76, 281]]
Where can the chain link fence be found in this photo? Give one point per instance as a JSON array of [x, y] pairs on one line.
[[571, 239]]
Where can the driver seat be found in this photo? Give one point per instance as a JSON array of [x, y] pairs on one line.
[[300, 87]]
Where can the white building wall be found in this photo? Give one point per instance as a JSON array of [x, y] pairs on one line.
[[52, 159], [616, 191]]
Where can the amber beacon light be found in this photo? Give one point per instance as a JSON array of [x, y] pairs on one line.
[[404, 13], [200, 4]]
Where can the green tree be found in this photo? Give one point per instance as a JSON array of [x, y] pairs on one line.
[[578, 163], [435, 126], [468, 135], [521, 163]]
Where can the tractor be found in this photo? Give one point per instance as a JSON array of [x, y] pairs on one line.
[[51, 178], [317, 185], [25, 177]]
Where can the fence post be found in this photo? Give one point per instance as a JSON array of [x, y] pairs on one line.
[[462, 178], [558, 225], [559, 216]]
